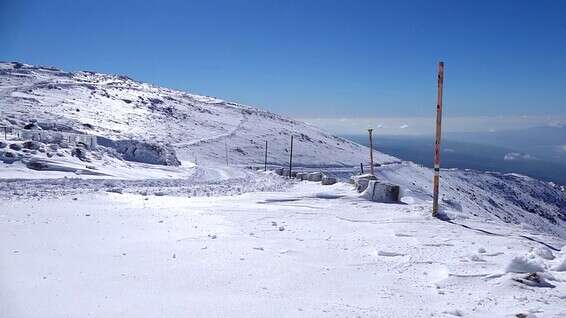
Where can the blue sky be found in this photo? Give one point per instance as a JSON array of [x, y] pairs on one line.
[[313, 59]]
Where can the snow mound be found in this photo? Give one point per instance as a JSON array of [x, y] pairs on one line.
[[560, 266], [523, 264]]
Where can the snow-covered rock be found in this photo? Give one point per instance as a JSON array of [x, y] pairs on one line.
[[523, 264]]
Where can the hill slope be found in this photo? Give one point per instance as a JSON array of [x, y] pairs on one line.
[[200, 128], [210, 132]]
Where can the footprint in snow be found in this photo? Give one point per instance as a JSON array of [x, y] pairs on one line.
[[403, 235], [389, 254]]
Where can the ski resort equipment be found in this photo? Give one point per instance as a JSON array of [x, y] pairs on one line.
[[436, 179]]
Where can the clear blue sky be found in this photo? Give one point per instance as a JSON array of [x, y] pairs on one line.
[[312, 58]]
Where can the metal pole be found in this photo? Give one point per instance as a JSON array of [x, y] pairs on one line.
[[265, 160], [361, 168], [370, 131], [226, 149], [291, 157], [436, 180]]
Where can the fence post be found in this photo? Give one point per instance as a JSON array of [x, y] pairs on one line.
[[436, 180], [265, 159], [291, 157]]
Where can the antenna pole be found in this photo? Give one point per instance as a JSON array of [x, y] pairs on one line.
[[291, 157], [265, 160], [436, 180], [370, 132], [226, 149]]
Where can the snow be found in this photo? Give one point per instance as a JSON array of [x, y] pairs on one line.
[[522, 264], [200, 128], [560, 266], [98, 234], [110, 254]]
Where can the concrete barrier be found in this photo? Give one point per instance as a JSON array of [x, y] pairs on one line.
[[361, 182], [381, 192], [328, 180], [315, 176]]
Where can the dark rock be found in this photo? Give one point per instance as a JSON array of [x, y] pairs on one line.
[[80, 153], [16, 147], [30, 144], [32, 126]]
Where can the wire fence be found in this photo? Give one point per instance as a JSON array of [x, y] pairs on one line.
[[47, 136]]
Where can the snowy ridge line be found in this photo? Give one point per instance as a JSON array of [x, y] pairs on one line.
[[556, 249], [196, 186], [117, 107]]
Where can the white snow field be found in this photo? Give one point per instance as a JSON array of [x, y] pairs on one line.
[[310, 251], [162, 219]]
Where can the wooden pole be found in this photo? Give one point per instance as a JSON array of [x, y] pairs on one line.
[[265, 159], [436, 180], [291, 157], [370, 131]]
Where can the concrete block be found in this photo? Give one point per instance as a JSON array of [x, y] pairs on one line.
[[328, 180], [315, 176], [381, 192], [361, 182]]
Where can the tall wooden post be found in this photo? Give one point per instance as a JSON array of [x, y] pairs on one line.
[[370, 131], [436, 181], [291, 157], [265, 159]]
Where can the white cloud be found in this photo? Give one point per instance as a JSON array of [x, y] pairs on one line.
[[518, 156], [425, 125], [556, 124]]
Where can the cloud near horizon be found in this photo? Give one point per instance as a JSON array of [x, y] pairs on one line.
[[425, 125]]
